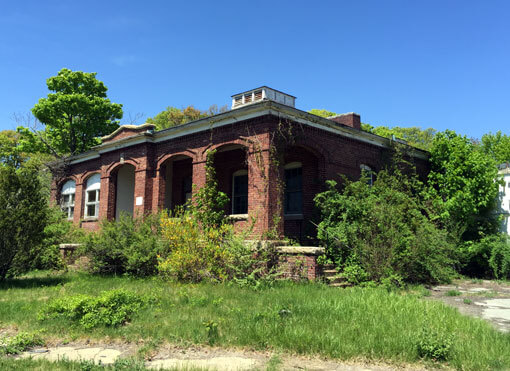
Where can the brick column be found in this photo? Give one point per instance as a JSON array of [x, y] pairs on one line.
[[159, 185], [264, 193], [143, 192], [79, 204], [198, 176], [107, 197]]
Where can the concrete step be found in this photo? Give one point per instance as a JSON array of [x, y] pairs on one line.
[[328, 272], [335, 279]]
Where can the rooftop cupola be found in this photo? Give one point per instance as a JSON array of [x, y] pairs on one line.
[[263, 93]]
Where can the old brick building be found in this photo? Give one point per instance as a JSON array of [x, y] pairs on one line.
[[271, 160]]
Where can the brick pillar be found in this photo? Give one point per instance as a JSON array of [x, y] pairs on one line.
[[53, 192], [143, 192], [79, 204], [158, 194], [198, 176], [263, 192], [107, 197]]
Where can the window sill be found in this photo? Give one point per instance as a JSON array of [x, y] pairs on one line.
[[90, 219], [293, 217], [237, 217]]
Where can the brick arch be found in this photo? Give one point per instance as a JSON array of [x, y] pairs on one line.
[[88, 174], [312, 145], [164, 158], [61, 182], [116, 165], [240, 142]]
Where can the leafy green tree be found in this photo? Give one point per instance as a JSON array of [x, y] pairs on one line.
[[76, 114], [23, 218], [462, 181], [174, 116], [497, 146], [10, 154], [322, 112], [414, 136]]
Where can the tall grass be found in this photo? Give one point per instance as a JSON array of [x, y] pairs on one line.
[[303, 318]]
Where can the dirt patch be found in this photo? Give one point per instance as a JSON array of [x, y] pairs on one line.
[[169, 356], [489, 300]]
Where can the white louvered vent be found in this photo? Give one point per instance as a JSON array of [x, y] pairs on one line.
[[260, 94]]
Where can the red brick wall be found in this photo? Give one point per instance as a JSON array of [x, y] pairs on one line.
[[324, 156]]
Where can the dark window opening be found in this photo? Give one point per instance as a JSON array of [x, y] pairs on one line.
[[293, 191]]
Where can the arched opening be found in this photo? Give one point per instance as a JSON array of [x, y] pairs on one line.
[[178, 173], [125, 190], [232, 176], [301, 182], [92, 196]]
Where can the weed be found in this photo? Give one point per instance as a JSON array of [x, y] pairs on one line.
[[111, 308], [274, 363], [212, 331], [453, 293], [434, 345], [467, 301], [19, 343]]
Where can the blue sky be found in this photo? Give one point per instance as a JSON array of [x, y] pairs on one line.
[[441, 64]]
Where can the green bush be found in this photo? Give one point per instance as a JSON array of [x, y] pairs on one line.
[[129, 245], [385, 229], [23, 218], [19, 343], [192, 252], [434, 345], [110, 309], [500, 258]]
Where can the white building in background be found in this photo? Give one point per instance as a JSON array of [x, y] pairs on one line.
[[504, 197]]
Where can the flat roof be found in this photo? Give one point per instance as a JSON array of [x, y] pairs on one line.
[[262, 87]]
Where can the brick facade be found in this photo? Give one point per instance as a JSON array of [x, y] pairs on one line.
[[262, 139]]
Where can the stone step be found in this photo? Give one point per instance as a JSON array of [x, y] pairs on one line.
[[335, 279], [330, 272]]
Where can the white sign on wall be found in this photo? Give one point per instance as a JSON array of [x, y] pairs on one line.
[[139, 201]]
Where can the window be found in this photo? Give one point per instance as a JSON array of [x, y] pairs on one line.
[[368, 173], [187, 189], [67, 198], [293, 188], [240, 192], [92, 196]]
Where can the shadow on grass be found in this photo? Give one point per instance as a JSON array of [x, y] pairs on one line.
[[31, 282]]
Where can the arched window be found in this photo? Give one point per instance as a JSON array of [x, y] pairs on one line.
[[368, 173], [240, 192], [67, 198], [92, 196], [293, 188]]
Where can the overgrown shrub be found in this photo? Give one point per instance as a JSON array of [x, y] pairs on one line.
[[384, 229], [434, 345], [192, 252], [129, 245], [111, 308], [23, 218], [19, 343], [500, 258], [59, 230]]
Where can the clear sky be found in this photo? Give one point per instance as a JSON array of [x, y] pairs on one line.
[[442, 64]]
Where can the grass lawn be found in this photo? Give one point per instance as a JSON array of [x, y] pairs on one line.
[[308, 318]]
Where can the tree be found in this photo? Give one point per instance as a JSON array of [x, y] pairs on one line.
[[174, 116], [75, 115], [497, 146], [10, 154], [23, 217], [462, 179], [414, 136]]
